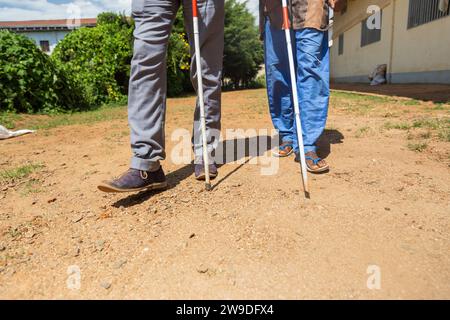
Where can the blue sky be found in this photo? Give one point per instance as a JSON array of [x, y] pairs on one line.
[[62, 9]]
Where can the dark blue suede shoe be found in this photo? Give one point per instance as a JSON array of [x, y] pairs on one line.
[[136, 180], [200, 171]]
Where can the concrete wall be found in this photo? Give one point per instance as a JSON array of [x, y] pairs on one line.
[[52, 36], [420, 54]]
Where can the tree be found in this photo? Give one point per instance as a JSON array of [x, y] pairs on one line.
[[243, 53], [113, 18]]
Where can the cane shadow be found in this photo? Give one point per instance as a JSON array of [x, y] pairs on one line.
[[328, 137], [227, 151], [248, 148]]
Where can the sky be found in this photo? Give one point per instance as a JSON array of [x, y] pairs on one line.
[[11, 10]]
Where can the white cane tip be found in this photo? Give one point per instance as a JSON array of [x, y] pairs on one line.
[[208, 187]]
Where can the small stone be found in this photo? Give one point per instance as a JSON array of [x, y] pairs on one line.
[[105, 284], [119, 264], [387, 209], [10, 272], [202, 268], [30, 234], [51, 200], [100, 245], [192, 235], [105, 215], [77, 218], [76, 252]]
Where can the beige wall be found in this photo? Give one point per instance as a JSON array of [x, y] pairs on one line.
[[425, 48], [357, 60]]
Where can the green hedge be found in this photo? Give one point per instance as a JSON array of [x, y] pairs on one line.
[[98, 60], [30, 82]]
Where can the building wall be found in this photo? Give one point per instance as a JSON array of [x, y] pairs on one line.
[[52, 36], [359, 61], [420, 54]]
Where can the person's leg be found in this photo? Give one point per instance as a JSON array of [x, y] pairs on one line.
[[147, 89], [278, 82], [313, 78], [211, 34], [147, 97]]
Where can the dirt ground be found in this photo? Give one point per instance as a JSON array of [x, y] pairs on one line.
[[381, 213]]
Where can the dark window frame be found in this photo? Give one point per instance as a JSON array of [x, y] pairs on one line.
[[420, 12], [341, 44], [370, 36], [45, 45]]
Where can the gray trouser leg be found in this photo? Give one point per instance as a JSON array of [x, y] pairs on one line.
[[147, 90], [211, 29]]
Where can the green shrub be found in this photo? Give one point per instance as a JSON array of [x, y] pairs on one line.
[[178, 64], [98, 59], [30, 82]]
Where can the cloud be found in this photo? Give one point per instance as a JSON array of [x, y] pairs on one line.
[[62, 9], [57, 9]]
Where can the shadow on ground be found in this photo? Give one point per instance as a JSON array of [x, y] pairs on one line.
[[329, 137], [228, 151]]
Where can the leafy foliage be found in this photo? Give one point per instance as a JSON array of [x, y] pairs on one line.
[[30, 82], [243, 53], [120, 20], [178, 59], [91, 66], [98, 59]]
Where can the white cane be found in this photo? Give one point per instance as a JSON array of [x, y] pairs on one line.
[[293, 73], [330, 26], [201, 101]]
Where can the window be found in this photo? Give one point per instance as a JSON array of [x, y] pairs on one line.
[[45, 45], [424, 11], [369, 36], [341, 44]]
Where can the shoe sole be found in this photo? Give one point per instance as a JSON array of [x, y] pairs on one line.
[[202, 177], [110, 189], [277, 155], [320, 170]]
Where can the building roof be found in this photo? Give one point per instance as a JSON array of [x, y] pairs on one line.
[[41, 25]]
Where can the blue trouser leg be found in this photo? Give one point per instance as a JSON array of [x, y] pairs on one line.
[[313, 83], [278, 82]]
